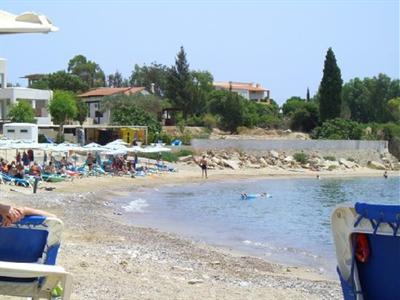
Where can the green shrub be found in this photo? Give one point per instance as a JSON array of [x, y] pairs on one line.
[[166, 156], [332, 167], [165, 137], [301, 157], [339, 129], [351, 159], [186, 137], [184, 152], [331, 158], [210, 121]]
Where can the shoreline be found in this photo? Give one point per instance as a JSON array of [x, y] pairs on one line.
[[144, 263]]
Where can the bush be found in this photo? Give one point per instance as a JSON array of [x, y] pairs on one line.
[[184, 152], [339, 129], [166, 156], [332, 167], [186, 137], [301, 157], [165, 137], [210, 121], [330, 158]]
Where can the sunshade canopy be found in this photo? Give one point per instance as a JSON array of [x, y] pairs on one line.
[[27, 22]]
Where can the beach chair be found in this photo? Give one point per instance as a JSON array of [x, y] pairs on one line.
[[5, 178], [367, 242], [28, 251]]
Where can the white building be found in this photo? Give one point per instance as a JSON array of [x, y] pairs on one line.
[[248, 90], [93, 99], [21, 131], [39, 99]]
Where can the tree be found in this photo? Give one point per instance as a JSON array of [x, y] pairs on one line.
[[151, 77], [306, 118], [230, 107], [292, 104], [62, 108], [368, 98], [394, 107], [89, 71], [82, 110], [149, 103], [339, 129], [61, 80], [308, 95], [124, 112], [115, 80], [180, 84], [330, 89], [22, 112]]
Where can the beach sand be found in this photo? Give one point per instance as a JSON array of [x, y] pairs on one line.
[[110, 259]]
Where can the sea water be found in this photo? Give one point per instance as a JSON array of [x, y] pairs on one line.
[[292, 226]]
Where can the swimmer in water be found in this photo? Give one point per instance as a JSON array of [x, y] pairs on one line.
[[385, 175]]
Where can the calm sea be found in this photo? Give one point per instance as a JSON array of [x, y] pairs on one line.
[[291, 227]]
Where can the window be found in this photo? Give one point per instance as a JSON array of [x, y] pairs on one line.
[[23, 131], [10, 130]]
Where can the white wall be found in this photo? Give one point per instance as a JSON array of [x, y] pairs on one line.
[[20, 131]]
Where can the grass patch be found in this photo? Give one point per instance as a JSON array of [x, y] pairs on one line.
[[330, 158], [301, 157]]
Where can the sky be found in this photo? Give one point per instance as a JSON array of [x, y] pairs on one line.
[[279, 44]]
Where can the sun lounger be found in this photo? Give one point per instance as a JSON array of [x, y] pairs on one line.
[[367, 241], [28, 252], [14, 180]]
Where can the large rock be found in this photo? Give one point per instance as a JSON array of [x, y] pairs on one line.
[[274, 154], [185, 158], [289, 159], [263, 162], [348, 164], [330, 164], [376, 165], [215, 160], [231, 164]]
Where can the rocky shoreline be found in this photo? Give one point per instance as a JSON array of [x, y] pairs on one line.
[[313, 161]]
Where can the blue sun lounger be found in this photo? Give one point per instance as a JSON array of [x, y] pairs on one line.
[[367, 241], [28, 252], [14, 180]]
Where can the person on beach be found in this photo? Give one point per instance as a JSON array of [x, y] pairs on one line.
[[90, 161], [203, 165], [10, 214], [35, 170], [385, 175]]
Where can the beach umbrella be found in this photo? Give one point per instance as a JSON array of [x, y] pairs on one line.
[[94, 147], [27, 22], [117, 142], [155, 149]]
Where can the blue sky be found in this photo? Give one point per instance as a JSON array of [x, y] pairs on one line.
[[280, 44]]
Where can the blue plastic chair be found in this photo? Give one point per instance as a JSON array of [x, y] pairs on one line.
[[28, 252], [378, 277]]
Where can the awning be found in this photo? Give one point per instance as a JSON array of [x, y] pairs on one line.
[[27, 22]]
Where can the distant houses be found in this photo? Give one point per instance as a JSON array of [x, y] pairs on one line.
[[248, 90], [39, 99], [94, 97]]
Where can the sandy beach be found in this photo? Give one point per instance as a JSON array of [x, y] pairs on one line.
[[110, 259]]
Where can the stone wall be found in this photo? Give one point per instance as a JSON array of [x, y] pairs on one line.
[[361, 151]]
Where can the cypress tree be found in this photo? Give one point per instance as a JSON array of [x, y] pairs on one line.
[[308, 95], [179, 82], [330, 89]]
